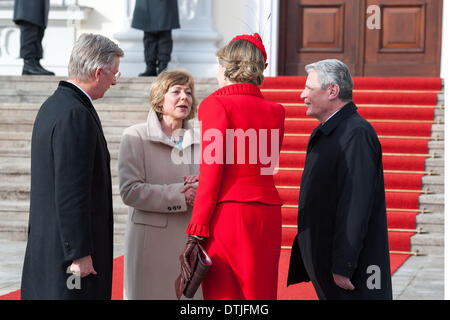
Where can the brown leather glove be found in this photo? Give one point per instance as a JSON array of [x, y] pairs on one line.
[[185, 257]]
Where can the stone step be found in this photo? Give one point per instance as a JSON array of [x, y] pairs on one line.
[[112, 96], [441, 98], [26, 113], [428, 250], [14, 223], [137, 115], [435, 184], [124, 105], [432, 228], [438, 128], [14, 220], [428, 239], [436, 147], [24, 179], [13, 191], [432, 202], [26, 125], [99, 106], [14, 226], [125, 83], [17, 140], [113, 130], [435, 164], [108, 118], [17, 170], [431, 222], [8, 208], [440, 112]]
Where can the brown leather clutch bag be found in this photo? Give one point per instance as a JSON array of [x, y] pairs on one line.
[[200, 262]]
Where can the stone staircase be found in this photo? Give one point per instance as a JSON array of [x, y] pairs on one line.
[[122, 106], [432, 219], [126, 104]]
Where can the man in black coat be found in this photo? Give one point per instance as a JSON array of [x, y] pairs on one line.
[[32, 19], [342, 241], [156, 18], [69, 253]]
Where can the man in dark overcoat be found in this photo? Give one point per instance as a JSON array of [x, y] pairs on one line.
[[342, 241], [69, 253], [156, 18], [32, 19]]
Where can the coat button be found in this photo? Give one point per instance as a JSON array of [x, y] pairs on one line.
[[169, 208], [178, 207], [174, 208]]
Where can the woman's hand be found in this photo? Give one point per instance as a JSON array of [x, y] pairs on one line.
[[185, 257], [189, 193], [190, 179]]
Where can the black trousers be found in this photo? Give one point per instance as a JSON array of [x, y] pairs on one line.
[[157, 47], [31, 36]]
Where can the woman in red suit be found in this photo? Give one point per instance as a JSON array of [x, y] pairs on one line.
[[237, 210]]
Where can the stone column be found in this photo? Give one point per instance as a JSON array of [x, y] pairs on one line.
[[130, 40], [195, 43], [58, 41], [263, 17]]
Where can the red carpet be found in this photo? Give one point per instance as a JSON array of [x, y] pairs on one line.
[[402, 119], [400, 98], [360, 83], [305, 291], [369, 112], [117, 289]]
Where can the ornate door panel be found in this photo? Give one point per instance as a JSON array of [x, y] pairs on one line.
[[409, 40], [406, 41], [312, 30]]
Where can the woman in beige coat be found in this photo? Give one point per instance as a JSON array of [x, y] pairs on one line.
[[158, 170]]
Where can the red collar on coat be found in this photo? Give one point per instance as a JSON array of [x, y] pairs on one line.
[[239, 89]]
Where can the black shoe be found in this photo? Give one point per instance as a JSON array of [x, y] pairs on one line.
[[162, 66], [33, 67], [49, 73], [149, 72]]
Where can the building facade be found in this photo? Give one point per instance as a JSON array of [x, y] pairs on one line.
[[295, 32]]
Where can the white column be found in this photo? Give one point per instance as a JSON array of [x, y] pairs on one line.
[[130, 40], [262, 16], [58, 41], [195, 44]]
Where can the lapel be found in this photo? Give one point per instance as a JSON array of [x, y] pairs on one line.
[[328, 127], [314, 136], [85, 100], [190, 130]]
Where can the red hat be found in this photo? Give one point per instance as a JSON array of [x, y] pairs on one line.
[[256, 40]]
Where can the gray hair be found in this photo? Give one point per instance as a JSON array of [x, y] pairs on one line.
[[90, 52], [333, 71]]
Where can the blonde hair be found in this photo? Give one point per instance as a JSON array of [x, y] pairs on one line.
[[243, 62], [163, 82]]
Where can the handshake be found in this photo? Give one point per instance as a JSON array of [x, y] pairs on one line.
[[190, 189]]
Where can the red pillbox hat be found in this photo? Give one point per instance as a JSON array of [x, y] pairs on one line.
[[256, 40]]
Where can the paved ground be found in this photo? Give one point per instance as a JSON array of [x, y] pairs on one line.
[[419, 278], [11, 261]]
